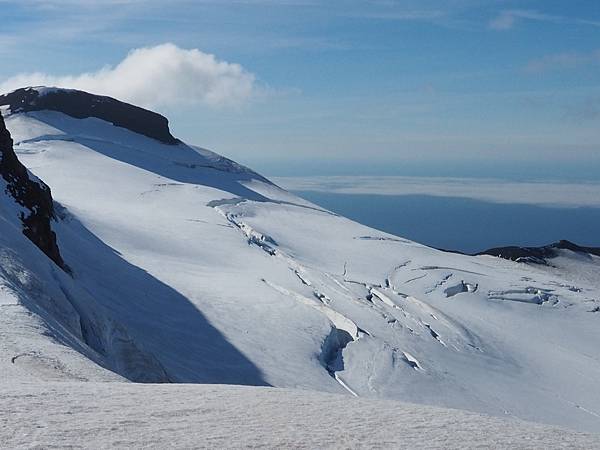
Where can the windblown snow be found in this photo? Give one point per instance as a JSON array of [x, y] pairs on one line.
[[189, 268]]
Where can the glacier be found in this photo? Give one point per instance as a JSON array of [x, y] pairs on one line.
[[186, 267]]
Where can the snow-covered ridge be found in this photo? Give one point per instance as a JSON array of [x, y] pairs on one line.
[[189, 268]]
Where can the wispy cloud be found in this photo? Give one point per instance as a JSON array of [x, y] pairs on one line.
[[164, 75], [586, 109], [568, 60], [402, 15], [504, 21], [489, 190], [509, 18]]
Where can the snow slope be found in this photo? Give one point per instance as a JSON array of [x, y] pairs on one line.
[[190, 268], [127, 415]]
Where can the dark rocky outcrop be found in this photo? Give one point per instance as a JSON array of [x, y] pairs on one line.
[[82, 105], [538, 255], [33, 195]]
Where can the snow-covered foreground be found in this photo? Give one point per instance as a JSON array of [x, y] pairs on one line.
[[189, 268], [125, 415]]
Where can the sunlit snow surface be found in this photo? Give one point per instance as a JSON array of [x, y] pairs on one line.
[[127, 415], [190, 268]]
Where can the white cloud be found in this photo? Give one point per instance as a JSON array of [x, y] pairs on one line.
[[489, 190], [165, 75]]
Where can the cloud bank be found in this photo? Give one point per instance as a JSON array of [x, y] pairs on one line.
[[550, 194], [160, 76]]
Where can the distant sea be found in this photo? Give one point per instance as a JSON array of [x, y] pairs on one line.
[[464, 224]]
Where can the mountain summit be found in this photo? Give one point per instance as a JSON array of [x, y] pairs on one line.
[[80, 104]]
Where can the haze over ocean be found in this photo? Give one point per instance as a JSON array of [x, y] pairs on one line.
[[464, 225], [462, 214]]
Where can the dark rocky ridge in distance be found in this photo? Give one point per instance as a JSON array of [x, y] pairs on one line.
[[538, 255], [82, 105], [33, 195]]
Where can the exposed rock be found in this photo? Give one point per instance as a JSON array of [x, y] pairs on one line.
[[82, 105], [33, 195], [538, 255]]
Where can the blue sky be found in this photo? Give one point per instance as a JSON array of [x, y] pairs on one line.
[[427, 87]]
